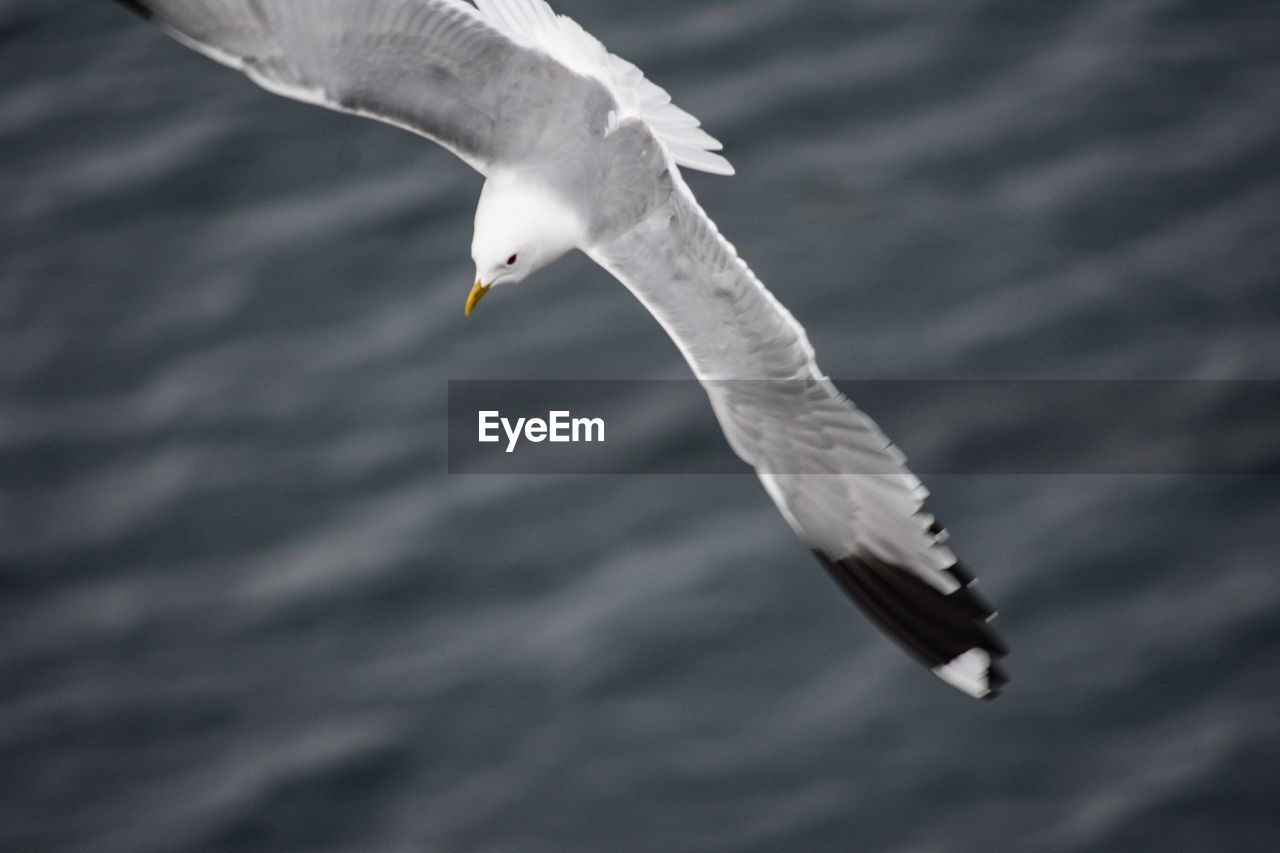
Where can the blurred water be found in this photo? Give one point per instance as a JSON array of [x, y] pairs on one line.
[[244, 607]]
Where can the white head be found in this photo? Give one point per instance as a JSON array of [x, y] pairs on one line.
[[520, 228]]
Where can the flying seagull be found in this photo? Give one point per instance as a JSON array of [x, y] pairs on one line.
[[580, 151]]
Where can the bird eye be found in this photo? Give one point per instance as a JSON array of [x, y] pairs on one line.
[[511, 261]]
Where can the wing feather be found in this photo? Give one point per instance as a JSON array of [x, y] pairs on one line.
[[435, 67], [534, 23]]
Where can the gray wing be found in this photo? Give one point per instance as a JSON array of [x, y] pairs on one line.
[[838, 481], [435, 67]]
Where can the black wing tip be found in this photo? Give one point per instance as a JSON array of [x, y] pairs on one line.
[[949, 633], [997, 678], [142, 10]]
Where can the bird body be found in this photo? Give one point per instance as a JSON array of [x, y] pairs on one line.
[[580, 151]]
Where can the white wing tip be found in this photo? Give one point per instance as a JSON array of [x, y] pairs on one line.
[[972, 673]]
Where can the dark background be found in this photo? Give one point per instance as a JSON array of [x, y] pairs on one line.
[[244, 607]]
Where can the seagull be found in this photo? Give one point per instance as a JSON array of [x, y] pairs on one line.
[[579, 150]]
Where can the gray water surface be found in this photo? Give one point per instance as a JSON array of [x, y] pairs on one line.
[[244, 606]]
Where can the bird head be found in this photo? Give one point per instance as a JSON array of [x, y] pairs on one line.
[[520, 228]]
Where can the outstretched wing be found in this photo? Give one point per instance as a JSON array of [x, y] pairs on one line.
[[435, 67], [838, 481]]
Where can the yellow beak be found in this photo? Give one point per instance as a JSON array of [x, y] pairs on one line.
[[478, 290]]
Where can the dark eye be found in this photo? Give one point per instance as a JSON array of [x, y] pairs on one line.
[[511, 261]]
